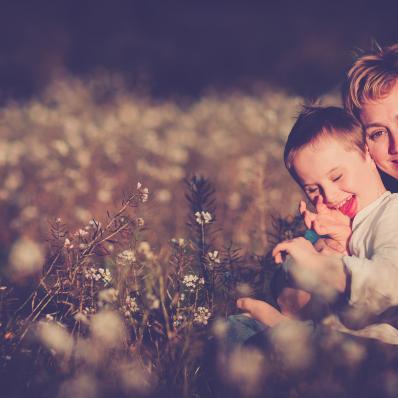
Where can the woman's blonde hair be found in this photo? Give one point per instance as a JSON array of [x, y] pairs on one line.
[[370, 77]]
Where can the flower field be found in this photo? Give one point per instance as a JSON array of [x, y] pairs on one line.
[[130, 227]]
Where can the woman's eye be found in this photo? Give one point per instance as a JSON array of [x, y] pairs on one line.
[[374, 135], [311, 190]]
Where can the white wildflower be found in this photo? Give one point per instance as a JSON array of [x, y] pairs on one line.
[[180, 242], [201, 315], [203, 217], [131, 306], [50, 318], [190, 280], [68, 244], [140, 222], [126, 257], [105, 274], [98, 274], [214, 257], [143, 192], [82, 232]]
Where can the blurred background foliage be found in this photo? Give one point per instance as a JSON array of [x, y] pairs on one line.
[[184, 48]]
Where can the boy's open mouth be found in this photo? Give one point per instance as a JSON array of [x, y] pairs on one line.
[[349, 206]]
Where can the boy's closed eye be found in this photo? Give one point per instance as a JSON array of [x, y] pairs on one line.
[[337, 178]]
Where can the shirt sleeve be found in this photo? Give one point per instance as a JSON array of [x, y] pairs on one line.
[[374, 280]]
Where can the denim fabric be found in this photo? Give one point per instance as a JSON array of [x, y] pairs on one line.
[[241, 328]]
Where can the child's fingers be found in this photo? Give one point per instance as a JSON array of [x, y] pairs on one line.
[[308, 218], [319, 205], [278, 250], [319, 229], [302, 207]]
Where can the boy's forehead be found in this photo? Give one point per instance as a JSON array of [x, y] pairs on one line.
[[320, 158]]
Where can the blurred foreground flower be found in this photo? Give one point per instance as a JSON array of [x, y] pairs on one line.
[[26, 258]]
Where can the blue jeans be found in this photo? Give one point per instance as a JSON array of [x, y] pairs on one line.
[[241, 328]]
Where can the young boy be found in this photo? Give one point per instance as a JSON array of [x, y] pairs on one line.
[[326, 154]]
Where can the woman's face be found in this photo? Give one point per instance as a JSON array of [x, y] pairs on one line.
[[380, 120]]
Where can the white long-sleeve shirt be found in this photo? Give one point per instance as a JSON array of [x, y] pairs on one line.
[[373, 270]]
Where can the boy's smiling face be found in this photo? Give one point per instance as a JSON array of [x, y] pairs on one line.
[[346, 179], [380, 121]]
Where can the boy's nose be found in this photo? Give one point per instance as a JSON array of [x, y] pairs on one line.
[[329, 196]]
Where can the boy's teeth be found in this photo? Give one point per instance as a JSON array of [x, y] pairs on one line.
[[343, 202]]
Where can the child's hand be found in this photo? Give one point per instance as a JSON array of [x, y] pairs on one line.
[[261, 311], [330, 246], [299, 248], [329, 222], [312, 271]]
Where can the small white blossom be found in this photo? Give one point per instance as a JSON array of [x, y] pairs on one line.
[[82, 232], [88, 311], [214, 257], [131, 306], [140, 222], [68, 244], [143, 192], [126, 257], [190, 280], [98, 274], [203, 217], [201, 315], [180, 242]]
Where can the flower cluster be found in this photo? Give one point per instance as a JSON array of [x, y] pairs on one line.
[[192, 281], [214, 257], [131, 306], [126, 257], [203, 217], [143, 192], [201, 316], [180, 242], [98, 274]]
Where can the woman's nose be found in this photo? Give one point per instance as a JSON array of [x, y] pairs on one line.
[[393, 142]]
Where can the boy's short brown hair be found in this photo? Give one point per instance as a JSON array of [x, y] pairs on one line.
[[314, 123], [370, 77]]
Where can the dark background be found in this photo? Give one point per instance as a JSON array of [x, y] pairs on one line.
[[183, 48]]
